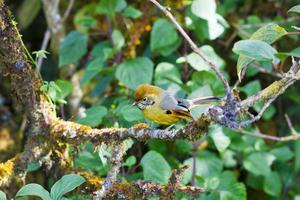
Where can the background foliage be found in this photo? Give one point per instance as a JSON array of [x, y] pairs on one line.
[[111, 46]]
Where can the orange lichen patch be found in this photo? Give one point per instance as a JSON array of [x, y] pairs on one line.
[[6, 172], [91, 179], [141, 126], [5, 139]]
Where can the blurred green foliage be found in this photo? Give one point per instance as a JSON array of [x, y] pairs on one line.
[[115, 45]]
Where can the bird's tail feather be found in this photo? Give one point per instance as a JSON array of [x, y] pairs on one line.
[[204, 100]]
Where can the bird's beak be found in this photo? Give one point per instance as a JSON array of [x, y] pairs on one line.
[[134, 104]]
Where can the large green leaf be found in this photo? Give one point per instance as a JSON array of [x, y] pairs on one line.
[[72, 48], [295, 9], [155, 167], [135, 72], [269, 34], [258, 163], [66, 184], [273, 184], [256, 50], [132, 12], [164, 38], [109, 7], [34, 189], [94, 116]]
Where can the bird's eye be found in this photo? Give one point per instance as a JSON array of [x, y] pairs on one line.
[[145, 99]]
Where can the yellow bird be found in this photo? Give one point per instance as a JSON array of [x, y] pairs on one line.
[[163, 107]]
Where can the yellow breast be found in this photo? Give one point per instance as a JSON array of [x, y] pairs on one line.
[[159, 116]]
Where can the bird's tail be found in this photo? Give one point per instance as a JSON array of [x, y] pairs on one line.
[[203, 100]]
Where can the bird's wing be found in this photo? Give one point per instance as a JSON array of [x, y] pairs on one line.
[[172, 103]]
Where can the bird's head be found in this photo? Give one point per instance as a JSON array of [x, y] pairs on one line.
[[146, 95]]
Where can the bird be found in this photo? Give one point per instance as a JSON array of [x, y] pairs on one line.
[[163, 107]]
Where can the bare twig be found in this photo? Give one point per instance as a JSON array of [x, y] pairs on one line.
[[194, 47], [68, 10], [290, 125], [269, 137], [44, 46]]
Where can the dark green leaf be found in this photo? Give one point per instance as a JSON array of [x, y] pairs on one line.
[[33, 166], [109, 7], [34, 190], [273, 184], [155, 167], [135, 72], [164, 37], [72, 48], [66, 184]]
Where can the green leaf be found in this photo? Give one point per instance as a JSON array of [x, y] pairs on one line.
[[27, 12], [135, 72], [198, 63], [93, 68], [109, 7], [230, 189], [155, 167], [273, 184], [256, 50], [297, 156], [207, 10], [295, 52], [295, 9], [130, 161], [251, 88], [66, 184], [34, 189], [40, 53], [131, 113], [132, 12], [94, 116], [208, 165], [33, 166], [66, 88], [282, 153], [2, 195], [164, 73], [220, 140], [164, 38], [269, 34], [118, 39], [72, 48], [257, 163]]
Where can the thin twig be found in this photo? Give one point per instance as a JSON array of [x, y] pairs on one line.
[[44, 46], [269, 137], [194, 47], [290, 125], [68, 10]]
